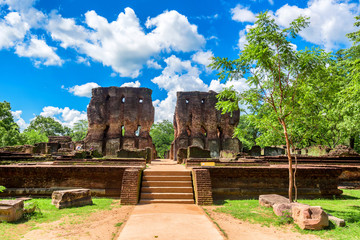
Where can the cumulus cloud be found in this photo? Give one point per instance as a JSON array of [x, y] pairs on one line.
[[181, 75], [203, 58], [66, 116], [39, 52], [123, 44], [84, 90], [135, 84], [330, 21], [152, 64], [242, 14], [21, 122]]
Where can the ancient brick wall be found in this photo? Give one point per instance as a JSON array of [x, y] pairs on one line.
[[250, 182], [119, 118], [198, 123], [42, 180], [130, 187], [202, 187]]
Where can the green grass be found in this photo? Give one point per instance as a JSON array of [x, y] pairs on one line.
[[346, 207], [49, 213]]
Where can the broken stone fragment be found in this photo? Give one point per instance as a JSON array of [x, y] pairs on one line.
[[309, 217], [11, 210], [268, 200], [71, 198]]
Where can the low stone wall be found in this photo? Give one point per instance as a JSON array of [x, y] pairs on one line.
[[43, 180], [250, 182], [194, 162]]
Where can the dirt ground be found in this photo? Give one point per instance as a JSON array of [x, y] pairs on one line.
[[236, 229], [104, 225]]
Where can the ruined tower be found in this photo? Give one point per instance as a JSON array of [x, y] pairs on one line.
[[198, 123], [119, 118]]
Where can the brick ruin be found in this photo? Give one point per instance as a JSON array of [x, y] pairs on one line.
[[119, 118], [198, 123]]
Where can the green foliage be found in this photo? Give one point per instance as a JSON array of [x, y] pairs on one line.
[[48, 126], [162, 135], [2, 188], [9, 130], [33, 136], [79, 130]]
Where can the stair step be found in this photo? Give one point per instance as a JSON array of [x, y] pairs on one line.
[[167, 178], [167, 184], [166, 189], [166, 173], [167, 196], [180, 201]]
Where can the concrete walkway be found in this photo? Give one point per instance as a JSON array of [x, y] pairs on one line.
[[168, 221]]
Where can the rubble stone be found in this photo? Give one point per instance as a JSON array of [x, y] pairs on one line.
[[71, 198], [11, 210], [268, 200], [309, 217]]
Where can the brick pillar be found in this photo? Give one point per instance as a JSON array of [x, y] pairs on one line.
[[130, 187], [202, 186]]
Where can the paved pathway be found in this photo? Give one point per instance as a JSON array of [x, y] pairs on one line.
[[169, 221]]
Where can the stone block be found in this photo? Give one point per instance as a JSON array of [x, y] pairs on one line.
[[337, 221], [112, 145], [214, 147], [135, 153], [269, 200], [196, 152], [273, 151], [232, 144], [71, 198], [11, 210], [282, 209], [309, 217]]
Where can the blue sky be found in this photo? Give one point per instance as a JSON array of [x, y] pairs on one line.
[[53, 53]]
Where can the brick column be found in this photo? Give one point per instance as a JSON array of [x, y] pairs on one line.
[[130, 187], [202, 186]]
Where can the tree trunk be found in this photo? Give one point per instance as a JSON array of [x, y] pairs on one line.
[[291, 173], [352, 141]]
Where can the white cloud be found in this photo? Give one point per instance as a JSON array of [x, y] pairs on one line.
[[271, 2], [135, 84], [66, 116], [13, 29], [152, 64], [39, 52], [330, 21], [83, 60], [21, 122], [178, 76], [123, 44], [203, 58], [84, 90], [242, 14], [239, 85]]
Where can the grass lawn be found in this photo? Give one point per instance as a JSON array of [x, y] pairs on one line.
[[49, 213], [346, 207]]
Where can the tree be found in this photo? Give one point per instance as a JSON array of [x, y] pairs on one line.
[[162, 135], [48, 126], [33, 136], [274, 69], [79, 130], [9, 130]]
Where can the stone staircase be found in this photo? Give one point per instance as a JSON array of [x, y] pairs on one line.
[[166, 187]]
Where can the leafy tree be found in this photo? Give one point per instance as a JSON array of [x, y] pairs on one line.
[[274, 70], [48, 126], [33, 136], [9, 130], [162, 135], [2, 188], [79, 130]]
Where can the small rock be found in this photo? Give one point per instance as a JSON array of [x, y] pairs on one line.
[[337, 221], [269, 200], [308, 217], [71, 198]]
